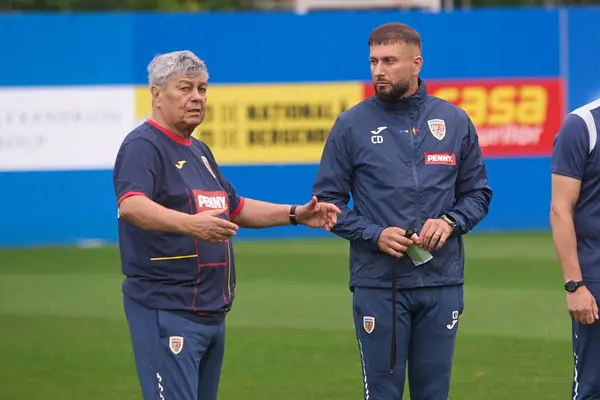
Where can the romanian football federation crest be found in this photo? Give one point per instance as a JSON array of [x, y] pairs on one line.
[[369, 324], [176, 344], [437, 128], [207, 164]]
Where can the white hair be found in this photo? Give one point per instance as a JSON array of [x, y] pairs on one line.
[[164, 66]]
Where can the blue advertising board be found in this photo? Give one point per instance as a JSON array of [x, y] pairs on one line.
[[49, 207]]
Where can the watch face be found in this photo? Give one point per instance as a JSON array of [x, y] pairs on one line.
[[571, 286]]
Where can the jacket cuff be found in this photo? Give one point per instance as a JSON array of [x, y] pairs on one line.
[[371, 234], [460, 223]]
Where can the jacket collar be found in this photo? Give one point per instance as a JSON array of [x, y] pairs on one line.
[[413, 101]]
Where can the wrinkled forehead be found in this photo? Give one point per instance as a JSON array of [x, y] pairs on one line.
[[200, 79]]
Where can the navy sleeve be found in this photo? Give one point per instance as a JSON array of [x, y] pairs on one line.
[[236, 202], [571, 148], [136, 170], [334, 182], [473, 195]]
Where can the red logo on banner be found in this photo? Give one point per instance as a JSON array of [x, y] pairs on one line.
[[513, 117]]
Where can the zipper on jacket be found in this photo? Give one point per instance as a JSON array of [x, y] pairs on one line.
[[415, 175], [413, 157]]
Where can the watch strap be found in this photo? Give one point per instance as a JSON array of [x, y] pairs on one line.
[[449, 220], [292, 215]]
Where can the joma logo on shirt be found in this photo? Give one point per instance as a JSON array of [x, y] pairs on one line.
[[440, 158], [210, 200]]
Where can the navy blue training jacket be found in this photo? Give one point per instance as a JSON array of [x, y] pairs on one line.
[[403, 163]]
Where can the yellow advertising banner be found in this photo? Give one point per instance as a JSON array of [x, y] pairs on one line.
[[268, 124]]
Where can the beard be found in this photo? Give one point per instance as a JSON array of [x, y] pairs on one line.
[[398, 90]]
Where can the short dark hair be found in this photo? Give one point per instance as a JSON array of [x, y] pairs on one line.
[[395, 32]]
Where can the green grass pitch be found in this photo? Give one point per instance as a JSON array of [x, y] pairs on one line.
[[290, 335]]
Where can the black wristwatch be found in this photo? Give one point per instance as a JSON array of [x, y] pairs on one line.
[[293, 220], [572, 286]]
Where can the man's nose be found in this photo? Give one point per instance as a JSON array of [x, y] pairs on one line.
[[197, 95], [377, 70]]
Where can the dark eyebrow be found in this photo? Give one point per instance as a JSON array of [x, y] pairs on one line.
[[384, 58]]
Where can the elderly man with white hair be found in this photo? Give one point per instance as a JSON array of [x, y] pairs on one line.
[[177, 217]]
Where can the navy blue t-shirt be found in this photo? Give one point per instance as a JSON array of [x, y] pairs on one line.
[[575, 155], [170, 271]]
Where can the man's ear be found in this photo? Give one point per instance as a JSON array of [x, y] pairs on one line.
[[156, 92], [417, 64]]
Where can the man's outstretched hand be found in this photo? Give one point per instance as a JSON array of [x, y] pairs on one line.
[[317, 214]]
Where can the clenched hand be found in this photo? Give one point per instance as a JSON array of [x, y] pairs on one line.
[[394, 242], [207, 226]]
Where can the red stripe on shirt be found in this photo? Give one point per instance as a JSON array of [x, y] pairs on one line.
[[171, 135], [129, 194], [237, 210]]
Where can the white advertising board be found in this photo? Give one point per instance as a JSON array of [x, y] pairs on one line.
[[63, 128]]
